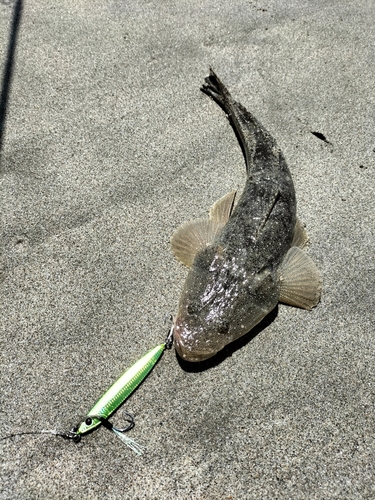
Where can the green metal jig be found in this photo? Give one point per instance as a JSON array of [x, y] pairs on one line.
[[117, 394], [113, 399]]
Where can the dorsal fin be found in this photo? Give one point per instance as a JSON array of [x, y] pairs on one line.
[[221, 210], [192, 237], [300, 280]]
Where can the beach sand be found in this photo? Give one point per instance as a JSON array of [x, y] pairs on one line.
[[108, 147]]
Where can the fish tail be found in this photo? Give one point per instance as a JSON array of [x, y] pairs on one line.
[[215, 88], [249, 131], [243, 122]]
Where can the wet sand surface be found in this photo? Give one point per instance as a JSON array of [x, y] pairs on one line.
[[109, 146]]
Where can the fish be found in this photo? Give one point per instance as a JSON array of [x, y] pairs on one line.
[[247, 256]]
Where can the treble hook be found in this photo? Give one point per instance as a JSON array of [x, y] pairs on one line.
[[108, 425], [137, 448]]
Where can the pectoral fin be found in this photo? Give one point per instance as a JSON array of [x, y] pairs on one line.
[[192, 237], [300, 280]]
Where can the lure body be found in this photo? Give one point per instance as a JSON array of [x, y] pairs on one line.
[[121, 390]]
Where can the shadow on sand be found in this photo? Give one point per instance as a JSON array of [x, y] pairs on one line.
[[8, 67]]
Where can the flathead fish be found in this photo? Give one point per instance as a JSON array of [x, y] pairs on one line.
[[244, 258]]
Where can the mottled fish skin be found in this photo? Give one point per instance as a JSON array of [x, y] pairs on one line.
[[234, 282]]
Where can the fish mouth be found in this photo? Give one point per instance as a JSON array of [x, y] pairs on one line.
[[192, 356], [189, 353]]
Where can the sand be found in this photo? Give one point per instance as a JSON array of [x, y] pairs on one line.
[[108, 147]]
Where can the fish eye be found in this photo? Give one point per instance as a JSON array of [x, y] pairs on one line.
[[264, 271], [88, 421]]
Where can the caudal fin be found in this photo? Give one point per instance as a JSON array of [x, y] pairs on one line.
[[215, 88], [249, 131]]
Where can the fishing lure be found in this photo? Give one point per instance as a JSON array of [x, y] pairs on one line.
[[113, 399], [116, 395]]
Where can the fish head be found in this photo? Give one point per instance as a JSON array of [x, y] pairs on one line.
[[222, 299]]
